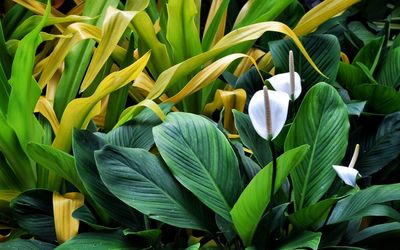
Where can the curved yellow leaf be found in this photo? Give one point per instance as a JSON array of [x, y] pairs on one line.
[[207, 76], [320, 14], [175, 74], [130, 112], [114, 25], [63, 206], [79, 111], [8, 195], [229, 100], [246, 63], [44, 107], [344, 58]]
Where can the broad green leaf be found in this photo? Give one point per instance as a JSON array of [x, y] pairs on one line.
[[85, 215], [248, 210], [61, 163], [251, 139], [26, 244], [323, 49], [350, 207], [370, 53], [8, 180], [140, 179], [80, 110], [311, 216], [33, 211], [380, 99], [137, 133], [251, 168], [349, 76], [84, 145], [384, 148], [303, 240], [65, 224], [182, 33], [96, 241], [320, 14], [201, 159], [355, 107], [151, 235], [114, 26], [256, 11], [321, 122], [389, 74], [376, 232], [134, 5]]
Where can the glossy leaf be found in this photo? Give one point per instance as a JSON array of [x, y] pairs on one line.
[[305, 239], [322, 122], [389, 74], [185, 142], [376, 231], [140, 179], [248, 210], [380, 99], [370, 53], [350, 207], [26, 244], [96, 241], [84, 145]]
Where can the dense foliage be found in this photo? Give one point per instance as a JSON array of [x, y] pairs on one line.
[[189, 124]]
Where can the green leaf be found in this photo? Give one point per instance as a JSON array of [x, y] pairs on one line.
[[151, 235], [97, 241], [389, 74], [248, 210], [137, 133], [380, 99], [182, 33], [251, 139], [201, 159], [306, 239], [61, 163], [140, 179], [384, 148], [26, 245], [376, 232], [355, 107], [311, 216], [370, 53], [350, 76], [86, 216], [84, 145], [33, 211], [323, 49], [351, 207], [321, 122]]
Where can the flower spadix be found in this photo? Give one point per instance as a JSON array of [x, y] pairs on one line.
[[268, 111], [289, 82], [349, 174]]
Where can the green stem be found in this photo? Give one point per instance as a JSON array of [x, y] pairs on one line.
[[274, 168], [146, 222]]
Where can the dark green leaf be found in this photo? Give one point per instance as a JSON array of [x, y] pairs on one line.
[[141, 180], [151, 236], [85, 215], [201, 159], [20, 244], [351, 207], [350, 76], [323, 49], [322, 122], [33, 211], [370, 53], [384, 148], [380, 99], [306, 239], [84, 145], [389, 74], [97, 241], [355, 107], [377, 231], [251, 139]]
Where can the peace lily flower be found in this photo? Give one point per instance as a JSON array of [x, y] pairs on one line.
[[349, 174], [268, 111], [289, 82]]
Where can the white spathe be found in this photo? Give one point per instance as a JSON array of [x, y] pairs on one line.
[[279, 104], [347, 174], [281, 82]]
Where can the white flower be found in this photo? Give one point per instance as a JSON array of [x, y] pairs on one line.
[[281, 82], [278, 106], [349, 174]]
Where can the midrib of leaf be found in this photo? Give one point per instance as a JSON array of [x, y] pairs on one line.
[[206, 172]]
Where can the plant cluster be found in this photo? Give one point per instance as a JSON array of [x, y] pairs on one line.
[[189, 124]]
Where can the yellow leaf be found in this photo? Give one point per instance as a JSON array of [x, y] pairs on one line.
[[229, 100], [344, 58], [44, 107], [79, 111], [320, 14], [246, 63], [8, 195], [63, 206], [114, 25], [130, 112]]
